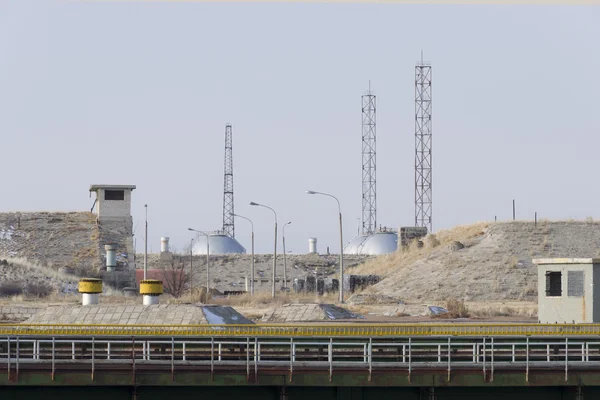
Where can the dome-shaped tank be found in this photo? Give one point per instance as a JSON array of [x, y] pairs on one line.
[[355, 245], [380, 243], [218, 243]]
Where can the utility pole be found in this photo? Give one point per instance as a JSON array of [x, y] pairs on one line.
[[146, 245]]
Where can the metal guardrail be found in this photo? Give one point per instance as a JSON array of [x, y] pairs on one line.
[[249, 355], [309, 330]]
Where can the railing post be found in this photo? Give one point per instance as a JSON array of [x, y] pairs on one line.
[[8, 357], [17, 362], [212, 358], [370, 356], [93, 357], [409, 358], [256, 360], [292, 353], [172, 359], [527, 359], [449, 352], [330, 354], [483, 358], [247, 359], [492, 362], [53, 348], [566, 359]]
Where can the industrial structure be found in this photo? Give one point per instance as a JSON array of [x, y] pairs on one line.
[[228, 209], [369, 163], [566, 290], [423, 189], [223, 241], [370, 240]]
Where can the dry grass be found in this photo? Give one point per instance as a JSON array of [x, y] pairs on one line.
[[526, 310], [457, 309], [264, 299], [387, 264]]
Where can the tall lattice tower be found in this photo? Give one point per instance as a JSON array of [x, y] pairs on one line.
[[423, 192], [228, 211], [369, 163]]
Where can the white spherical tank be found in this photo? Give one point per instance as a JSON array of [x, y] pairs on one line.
[[312, 245], [164, 244]]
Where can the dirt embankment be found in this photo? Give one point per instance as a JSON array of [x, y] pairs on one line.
[[481, 262]]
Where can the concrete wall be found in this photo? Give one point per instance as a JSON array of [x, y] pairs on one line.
[[108, 209], [566, 309], [18, 313]]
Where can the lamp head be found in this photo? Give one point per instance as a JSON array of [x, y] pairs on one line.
[[310, 192], [289, 222], [190, 229], [253, 203]]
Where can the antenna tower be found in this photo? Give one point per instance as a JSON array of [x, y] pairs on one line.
[[228, 211], [369, 161], [423, 190]]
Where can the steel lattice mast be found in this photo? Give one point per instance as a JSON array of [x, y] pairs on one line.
[[369, 163], [423, 192], [228, 211]]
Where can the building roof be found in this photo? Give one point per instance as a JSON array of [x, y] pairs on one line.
[[543, 261], [94, 188]]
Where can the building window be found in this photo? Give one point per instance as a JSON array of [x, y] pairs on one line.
[[114, 195], [575, 283], [553, 284]]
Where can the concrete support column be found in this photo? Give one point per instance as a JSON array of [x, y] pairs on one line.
[[431, 394], [283, 393]]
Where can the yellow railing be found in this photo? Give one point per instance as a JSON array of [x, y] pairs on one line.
[[302, 330]]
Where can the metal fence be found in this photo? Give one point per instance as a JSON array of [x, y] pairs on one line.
[[249, 354]]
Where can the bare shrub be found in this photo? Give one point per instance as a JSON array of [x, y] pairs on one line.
[[176, 276], [457, 309], [40, 289], [11, 288]]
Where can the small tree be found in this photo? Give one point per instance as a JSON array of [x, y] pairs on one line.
[[176, 274]]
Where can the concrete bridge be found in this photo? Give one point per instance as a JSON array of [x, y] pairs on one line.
[[320, 361]]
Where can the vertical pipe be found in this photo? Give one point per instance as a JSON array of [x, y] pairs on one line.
[[492, 363], [8, 358], [341, 261], [53, 356], [252, 266], [535, 218], [207, 269], [93, 358], [274, 260], [192, 268], [566, 359], [146, 244], [514, 209], [17, 349], [284, 261]]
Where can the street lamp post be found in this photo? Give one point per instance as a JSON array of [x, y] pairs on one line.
[[207, 260], [192, 268], [341, 242], [252, 263], [146, 245], [284, 255], [274, 248]]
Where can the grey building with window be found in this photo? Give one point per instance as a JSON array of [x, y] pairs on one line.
[[566, 290]]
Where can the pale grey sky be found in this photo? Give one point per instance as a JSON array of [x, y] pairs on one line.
[[139, 93]]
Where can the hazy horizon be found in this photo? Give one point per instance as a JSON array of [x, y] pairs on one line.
[[140, 92]]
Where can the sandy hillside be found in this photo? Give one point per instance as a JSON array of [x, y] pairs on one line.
[[494, 264]]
